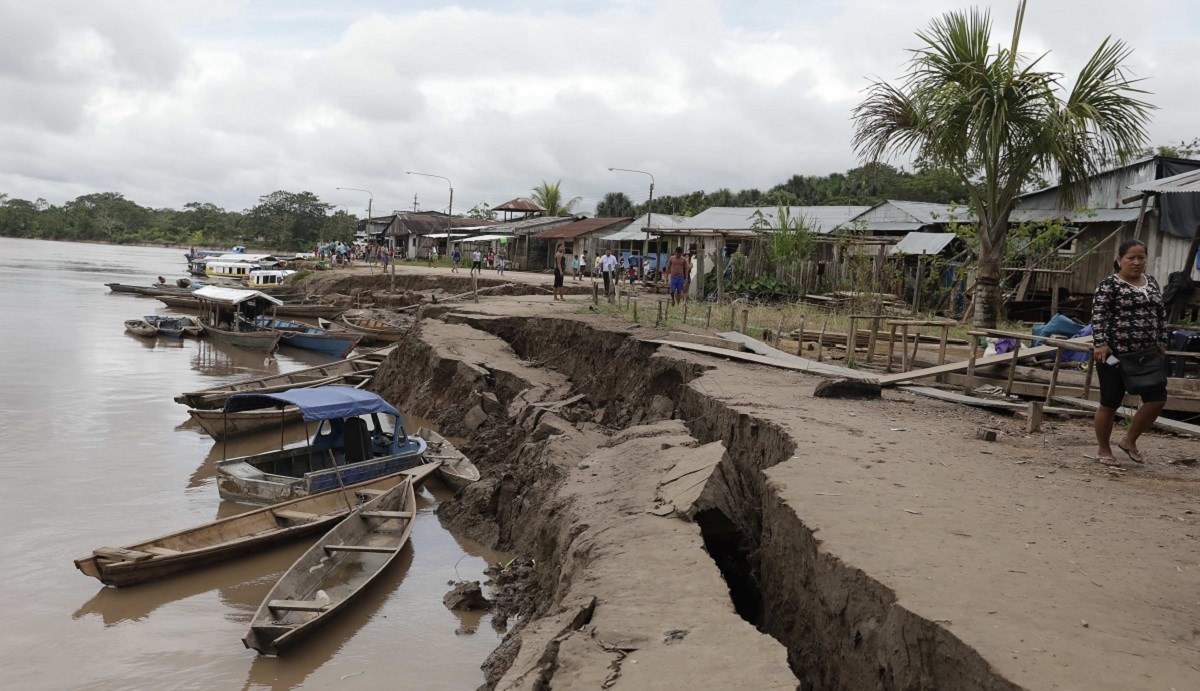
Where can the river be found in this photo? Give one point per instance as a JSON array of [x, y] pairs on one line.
[[93, 452]]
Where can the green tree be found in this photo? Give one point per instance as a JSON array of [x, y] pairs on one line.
[[615, 205], [995, 120], [482, 211], [550, 198], [292, 220]]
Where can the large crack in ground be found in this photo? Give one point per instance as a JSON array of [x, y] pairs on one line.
[[591, 442]]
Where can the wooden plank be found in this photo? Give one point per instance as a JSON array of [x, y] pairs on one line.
[[299, 605], [369, 492], [811, 368], [386, 514], [293, 515], [1004, 358], [977, 402], [757, 347], [359, 548], [161, 551], [121, 554], [1161, 423]]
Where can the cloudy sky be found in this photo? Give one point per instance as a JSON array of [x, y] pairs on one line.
[[223, 100]]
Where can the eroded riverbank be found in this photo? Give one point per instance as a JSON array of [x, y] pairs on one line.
[[712, 523]]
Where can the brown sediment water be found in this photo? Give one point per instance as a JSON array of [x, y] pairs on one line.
[[93, 452]]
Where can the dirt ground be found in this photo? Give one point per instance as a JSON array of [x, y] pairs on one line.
[[891, 548]]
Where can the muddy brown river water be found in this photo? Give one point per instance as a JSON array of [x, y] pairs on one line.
[[93, 452]]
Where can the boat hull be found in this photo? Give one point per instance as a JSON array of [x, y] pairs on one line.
[[266, 341], [236, 536], [340, 566], [331, 344], [220, 425], [455, 470], [374, 329]]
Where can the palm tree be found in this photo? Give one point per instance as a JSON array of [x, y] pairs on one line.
[[549, 197], [615, 205], [996, 121]]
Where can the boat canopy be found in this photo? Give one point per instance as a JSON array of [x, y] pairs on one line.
[[232, 296], [316, 403]]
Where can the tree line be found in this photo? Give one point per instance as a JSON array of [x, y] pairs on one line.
[[281, 219]]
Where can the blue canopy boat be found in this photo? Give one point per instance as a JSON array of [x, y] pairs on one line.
[[310, 337], [359, 437]]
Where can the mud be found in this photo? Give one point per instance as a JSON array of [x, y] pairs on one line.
[[696, 523]]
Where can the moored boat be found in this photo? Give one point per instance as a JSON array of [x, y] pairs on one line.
[[283, 309], [158, 290], [227, 315], [352, 371], [359, 436], [175, 327], [374, 328], [235, 536], [456, 470], [310, 337], [221, 425], [334, 570], [141, 327]]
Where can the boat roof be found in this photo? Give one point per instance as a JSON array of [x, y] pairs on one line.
[[232, 296], [315, 403]]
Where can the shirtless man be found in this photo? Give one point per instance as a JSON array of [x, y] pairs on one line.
[[677, 271]]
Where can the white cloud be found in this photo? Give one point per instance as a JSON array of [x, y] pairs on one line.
[[227, 100]]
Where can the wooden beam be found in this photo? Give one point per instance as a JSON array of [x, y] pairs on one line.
[[359, 548], [892, 379], [1161, 423]]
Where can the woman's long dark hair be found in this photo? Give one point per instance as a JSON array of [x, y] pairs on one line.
[[1124, 249]]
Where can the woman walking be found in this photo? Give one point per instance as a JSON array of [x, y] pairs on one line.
[[560, 268], [1129, 325]]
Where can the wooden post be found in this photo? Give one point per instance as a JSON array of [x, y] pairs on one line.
[[1012, 368], [475, 287], [971, 365], [732, 317], [800, 338], [1087, 381], [721, 271], [917, 286], [852, 338], [871, 339], [904, 361], [658, 320], [1054, 375], [745, 318], [942, 344], [1035, 417], [1053, 296], [778, 331], [821, 339], [891, 347], [708, 317], [595, 294], [635, 310], [685, 305]]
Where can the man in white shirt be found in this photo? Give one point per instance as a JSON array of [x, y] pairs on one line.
[[476, 263], [608, 265]]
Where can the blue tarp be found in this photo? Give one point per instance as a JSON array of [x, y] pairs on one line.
[[317, 403]]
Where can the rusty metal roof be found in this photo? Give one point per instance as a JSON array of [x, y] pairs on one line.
[[518, 204], [583, 227], [1184, 182]]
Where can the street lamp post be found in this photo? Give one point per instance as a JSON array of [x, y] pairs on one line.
[[649, 217], [449, 207]]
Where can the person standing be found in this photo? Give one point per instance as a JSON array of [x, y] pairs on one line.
[[501, 260], [476, 262], [574, 268], [455, 259], [608, 265], [677, 267], [432, 256], [560, 268], [584, 268], [1128, 316]]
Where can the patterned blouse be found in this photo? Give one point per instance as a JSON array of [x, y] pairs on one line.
[[1127, 317]]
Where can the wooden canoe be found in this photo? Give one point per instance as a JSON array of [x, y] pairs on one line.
[[287, 309], [456, 470], [334, 570], [374, 328], [350, 371], [232, 537], [149, 291], [266, 341], [220, 425], [141, 327]]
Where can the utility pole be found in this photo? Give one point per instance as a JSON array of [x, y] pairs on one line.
[[649, 219], [449, 208]]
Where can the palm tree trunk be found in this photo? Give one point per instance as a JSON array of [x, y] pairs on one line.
[[993, 239]]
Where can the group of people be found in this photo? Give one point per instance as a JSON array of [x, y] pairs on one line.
[[611, 268], [494, 260]]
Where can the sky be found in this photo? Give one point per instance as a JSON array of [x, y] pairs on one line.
[[224, 101]]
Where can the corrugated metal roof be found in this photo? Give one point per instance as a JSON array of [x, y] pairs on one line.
[[1184, 182], [637, 229], [530, 225], [928, 212], [894, 226], [922, 243], [824, 219], [518, 204], [582, 227], [1074, 215], [232, 296]]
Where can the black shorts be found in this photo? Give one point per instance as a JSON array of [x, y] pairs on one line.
[[558, 278], [476, 265], [1112, 388]]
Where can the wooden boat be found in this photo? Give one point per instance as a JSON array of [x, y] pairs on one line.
[[374, 328], [150, 291], [236, 536], [456, 470], [221, 425], [310, 337], [287, 309], [175, 327], [334, 570], [360, 436], [141, 327], [263, 340]]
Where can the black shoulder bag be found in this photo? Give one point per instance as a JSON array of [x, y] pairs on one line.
[[1142, 370]]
